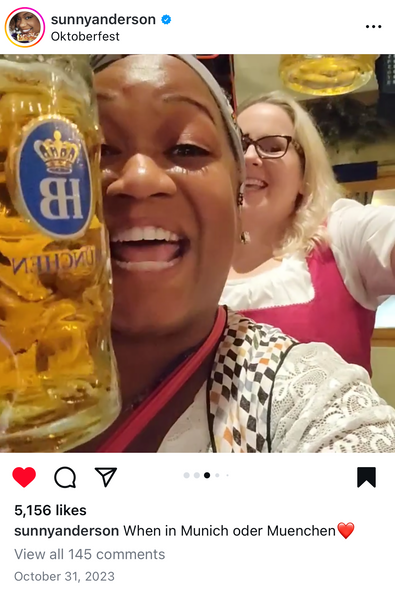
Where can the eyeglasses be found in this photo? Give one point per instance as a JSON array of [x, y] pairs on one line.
[[271, 146]]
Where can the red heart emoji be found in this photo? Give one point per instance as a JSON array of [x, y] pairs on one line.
[[24, 476], [346, 530]]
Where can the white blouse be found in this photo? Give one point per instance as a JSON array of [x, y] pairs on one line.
[[320, 404], [361, 239]]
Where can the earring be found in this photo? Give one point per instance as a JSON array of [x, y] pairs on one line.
[[245, 237]]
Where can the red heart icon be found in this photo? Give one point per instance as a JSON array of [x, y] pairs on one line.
[[346, 530], [24, 476]]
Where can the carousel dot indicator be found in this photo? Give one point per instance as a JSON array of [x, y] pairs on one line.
[[207, 475], [197, 475], [217, 474], [186, 475]]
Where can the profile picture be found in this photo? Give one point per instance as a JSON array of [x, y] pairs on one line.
[[24, 27]]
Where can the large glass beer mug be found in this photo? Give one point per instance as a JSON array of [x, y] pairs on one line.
[[58, 379], [326, 74]]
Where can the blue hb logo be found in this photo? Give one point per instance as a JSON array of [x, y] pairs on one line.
[[54, 178]]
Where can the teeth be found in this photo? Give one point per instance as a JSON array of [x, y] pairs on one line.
[[137, 234], [256, 182], [145, 266]]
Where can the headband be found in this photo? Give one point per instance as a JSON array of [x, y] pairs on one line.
[[101, 61]]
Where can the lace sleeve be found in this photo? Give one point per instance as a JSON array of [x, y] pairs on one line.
[[322, 404]]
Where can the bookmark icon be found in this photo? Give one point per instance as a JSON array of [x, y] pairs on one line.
[[366, 474]]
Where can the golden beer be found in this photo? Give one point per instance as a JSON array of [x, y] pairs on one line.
[[326, 74], [58, 379]]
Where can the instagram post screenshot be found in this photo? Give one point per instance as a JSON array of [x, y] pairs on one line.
[[197, 261]]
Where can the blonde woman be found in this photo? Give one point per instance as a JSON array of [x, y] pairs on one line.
[[313, 264]]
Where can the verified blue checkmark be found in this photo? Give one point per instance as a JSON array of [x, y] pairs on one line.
[[166, 19]]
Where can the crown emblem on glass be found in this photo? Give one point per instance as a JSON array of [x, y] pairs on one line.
[[59, 156]]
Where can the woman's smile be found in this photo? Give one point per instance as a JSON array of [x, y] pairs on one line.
[[252, 184], [149, 249]]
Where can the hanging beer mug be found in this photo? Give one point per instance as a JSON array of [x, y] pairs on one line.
[[326, 74], [58, 379]]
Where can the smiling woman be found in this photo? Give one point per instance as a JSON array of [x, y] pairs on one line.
[[25, 27], [196, 377], [170, 186], [318, 266]]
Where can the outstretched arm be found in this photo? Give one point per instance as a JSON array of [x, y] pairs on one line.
[[364, 238]]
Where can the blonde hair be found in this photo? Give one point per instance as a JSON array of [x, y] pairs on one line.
[[308, 227]]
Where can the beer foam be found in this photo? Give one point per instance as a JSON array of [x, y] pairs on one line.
[[16, 77]]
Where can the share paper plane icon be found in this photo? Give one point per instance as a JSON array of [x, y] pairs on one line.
[[107, 474]]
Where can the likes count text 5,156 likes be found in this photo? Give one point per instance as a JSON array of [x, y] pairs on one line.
[[196, 526]]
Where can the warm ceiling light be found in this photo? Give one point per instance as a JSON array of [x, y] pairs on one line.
[[326, 74]]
